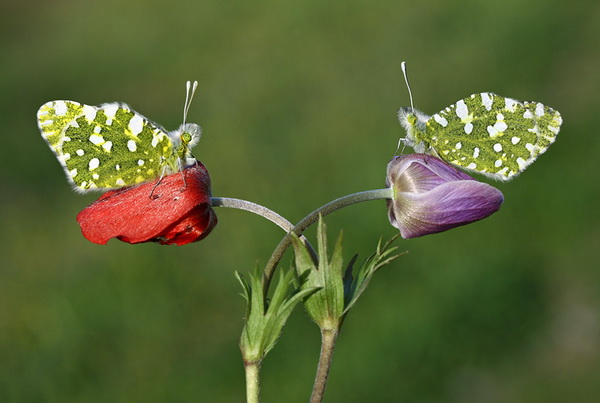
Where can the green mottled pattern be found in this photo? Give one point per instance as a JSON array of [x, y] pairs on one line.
[[68, 129], [490, 134]]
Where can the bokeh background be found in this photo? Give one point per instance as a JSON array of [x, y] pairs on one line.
[[298, 105]]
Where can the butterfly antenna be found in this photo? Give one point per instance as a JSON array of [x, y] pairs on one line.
[[412, 106], [403, 67], [190, 90]]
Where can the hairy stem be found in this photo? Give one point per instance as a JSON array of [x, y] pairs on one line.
[[328, 339], [252, 381]]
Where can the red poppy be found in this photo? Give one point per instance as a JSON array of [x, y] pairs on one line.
[[173, 210]]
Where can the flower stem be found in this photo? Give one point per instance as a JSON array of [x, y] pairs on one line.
[[314, 217], [328, 339], [262, 211], [252, 381]]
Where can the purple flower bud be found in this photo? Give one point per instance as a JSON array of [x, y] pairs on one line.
[[432, 196]]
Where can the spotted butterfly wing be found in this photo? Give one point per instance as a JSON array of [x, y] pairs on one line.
[[111, 145], [485, 133]]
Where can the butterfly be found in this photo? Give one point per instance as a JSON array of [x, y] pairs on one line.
[[111, 145]]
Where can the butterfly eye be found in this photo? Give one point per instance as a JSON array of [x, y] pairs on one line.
[[411, 119], [186, 138]]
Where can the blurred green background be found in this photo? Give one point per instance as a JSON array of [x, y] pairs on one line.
[[297, 101]]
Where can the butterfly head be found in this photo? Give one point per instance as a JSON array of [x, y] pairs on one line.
[[188, 136], [414, 122]]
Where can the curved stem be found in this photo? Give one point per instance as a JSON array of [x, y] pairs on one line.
[[314, 217], [264, 212]]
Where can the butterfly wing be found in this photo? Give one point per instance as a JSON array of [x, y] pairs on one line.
[[104, 147], [493, 135]]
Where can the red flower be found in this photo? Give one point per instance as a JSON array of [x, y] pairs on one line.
[[170, 211]]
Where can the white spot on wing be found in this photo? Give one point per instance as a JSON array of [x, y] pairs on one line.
[[131, 145], [535, 129], [476, 152], [89, 112], [136, 124], [107, 146], [469, 128], [498, 163], [441, 120], [486, 98], [510, 104], [110, 110], [462, 111], [515, 140], [60, 108], [497, 147], [96, 139], [539, 110], [499, 127], [94, 163]]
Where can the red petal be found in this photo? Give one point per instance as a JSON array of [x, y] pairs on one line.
[[193, 227], [146, 212]]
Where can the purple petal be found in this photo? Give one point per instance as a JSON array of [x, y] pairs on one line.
[[417, 173], [449, 205]]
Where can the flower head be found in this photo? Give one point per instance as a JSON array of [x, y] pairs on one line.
[[173, 210], [432, 196]]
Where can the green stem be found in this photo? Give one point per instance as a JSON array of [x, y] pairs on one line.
[[328, 339], [252, 381], [262, 211], [314, 217]]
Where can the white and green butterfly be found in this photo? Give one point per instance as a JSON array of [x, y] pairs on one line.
[[485, 133], [111, 145]]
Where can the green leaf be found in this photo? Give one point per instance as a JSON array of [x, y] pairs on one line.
[[326, 305], [339, 287], [265, 320], [377, 260]]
